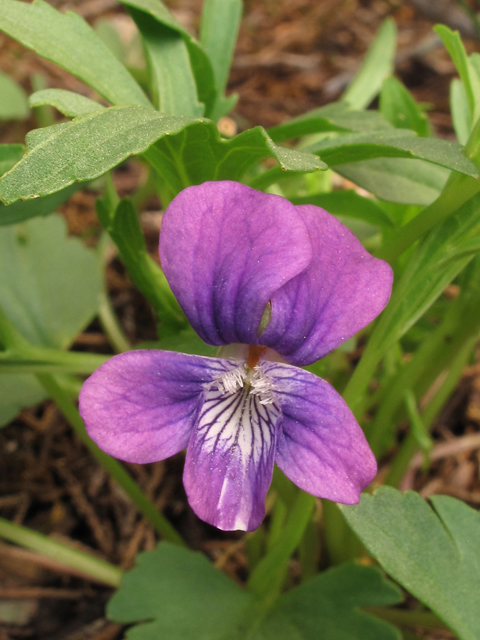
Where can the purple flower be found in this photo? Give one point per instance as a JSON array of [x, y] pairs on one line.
[[283, 286]]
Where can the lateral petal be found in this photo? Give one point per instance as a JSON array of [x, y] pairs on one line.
[[140, 406], [230, 457], [320, 446], [343, 289], [225, 249]]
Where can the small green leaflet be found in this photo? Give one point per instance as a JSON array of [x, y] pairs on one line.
[[434, 553], [178, 594]]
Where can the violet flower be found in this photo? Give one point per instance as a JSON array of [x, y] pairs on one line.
[[283, 285]]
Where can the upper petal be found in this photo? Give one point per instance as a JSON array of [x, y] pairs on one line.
[[342, 290], [225, 249], [230, 457], [140, 406], [320, 445]]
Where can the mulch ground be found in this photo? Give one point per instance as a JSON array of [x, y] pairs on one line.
[[292, 56]]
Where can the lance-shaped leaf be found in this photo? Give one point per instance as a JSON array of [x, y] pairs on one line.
[[398, 179], [218, 35], [338, 116], [177, 594], [436, 556], [201, 65], [399, 107], [68, 40], [90, 145], [397, 143], [172, 82], [67, 102]]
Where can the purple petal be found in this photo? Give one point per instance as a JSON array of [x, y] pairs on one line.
[[140, 406], [320, 446], [343, 289], [225, 249], [230, 457]]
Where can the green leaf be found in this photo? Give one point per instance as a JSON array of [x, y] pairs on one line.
[[83, 149], [436, 261], [50, 283], [69, 41], [218, 35], [436, 556], [171, 77], [462, 121], [178, 594], [67, 102], [377, 65], [348, 203], [10, 154], [203, 155], [90, 145], [399, 107], [337, 116], [50, 290], [201, 65], [24, 210], [124, 228], [468, 75], [397, 179], [330, 602], [17, 392], [398, 143], [13, 99]]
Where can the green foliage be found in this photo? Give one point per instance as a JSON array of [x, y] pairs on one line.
[[67, 102], [172, 82], [435, 556], [50, 290], [337, 116], [178, 594], [10, 154], [398, 106], [199, 61], [397, 143], [69, 41], [378, 64], [218, 34], [397, 179], [90, 145], [13, 100], [24, 210]]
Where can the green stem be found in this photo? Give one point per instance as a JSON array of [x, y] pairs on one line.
[[30, 359], [267, 578], [114, 468], [111, 326], [87, 564], [410, 445], [405, 618]]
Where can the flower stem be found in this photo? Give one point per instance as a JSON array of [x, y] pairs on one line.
[[267, 578], [84, 563], [111, 326], [114, 468]]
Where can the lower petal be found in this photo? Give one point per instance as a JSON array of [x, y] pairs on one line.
[[320, 447], [230, 458], [140, 406]]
